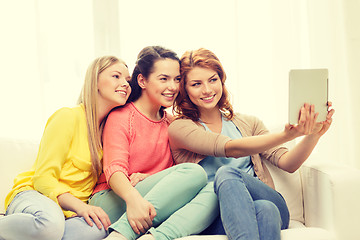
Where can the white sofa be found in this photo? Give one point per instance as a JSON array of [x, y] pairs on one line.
[[323, 198]]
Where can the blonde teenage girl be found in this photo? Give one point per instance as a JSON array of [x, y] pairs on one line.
[[50, 200]]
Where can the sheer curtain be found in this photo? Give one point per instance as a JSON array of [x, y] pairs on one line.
[[46, 46]]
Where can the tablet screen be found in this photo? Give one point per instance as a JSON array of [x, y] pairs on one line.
[[308, 86]]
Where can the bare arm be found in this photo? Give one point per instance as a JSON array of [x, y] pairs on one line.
[[255, 144], [140, 212], [293, 159], [68, 202], [260, 143]]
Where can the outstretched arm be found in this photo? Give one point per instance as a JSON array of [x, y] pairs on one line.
[[255, 144], [260, 143]]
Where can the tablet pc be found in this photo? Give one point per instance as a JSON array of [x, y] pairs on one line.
[[308, 86]]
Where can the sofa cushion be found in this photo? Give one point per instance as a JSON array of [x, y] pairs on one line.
[[289, 185], [288, 234], [307, 233], [16, 156]]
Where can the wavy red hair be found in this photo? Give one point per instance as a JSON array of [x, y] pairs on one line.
[[204, 58]]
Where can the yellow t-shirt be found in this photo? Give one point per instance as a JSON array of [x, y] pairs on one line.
[[63, 163]]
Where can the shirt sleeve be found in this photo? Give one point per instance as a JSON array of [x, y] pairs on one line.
[[186, 134], [273, 154], [53, 151], [116, 144]]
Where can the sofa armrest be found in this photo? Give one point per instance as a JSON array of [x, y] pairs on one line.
[[331, 198]]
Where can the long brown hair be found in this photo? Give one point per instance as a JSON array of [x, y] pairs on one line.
[[204, 58], [88, 98]]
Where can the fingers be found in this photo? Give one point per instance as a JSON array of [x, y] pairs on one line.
[[134, 226], [152, 212], [307, 119], [302, 117], [307, 113], [307, 124], [145, 224], [96, 220], [140, 226], [330, 114], [98, 216], [134, 182], [135, 178], [312, 119], [104, 219], [88, 220]]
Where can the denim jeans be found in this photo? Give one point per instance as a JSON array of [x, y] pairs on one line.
[[34, 216], [249, 209], [184, 202]]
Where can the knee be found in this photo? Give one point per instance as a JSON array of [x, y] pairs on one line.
[[49, 229], [268, 210], [77, 226], [196, 173], [225, 173]]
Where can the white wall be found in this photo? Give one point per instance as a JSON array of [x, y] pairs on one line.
[[45, 47]]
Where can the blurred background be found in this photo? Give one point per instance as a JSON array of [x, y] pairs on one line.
[[46, 46]]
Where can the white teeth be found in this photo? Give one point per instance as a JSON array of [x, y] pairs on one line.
[[121, 92], [208, 98]]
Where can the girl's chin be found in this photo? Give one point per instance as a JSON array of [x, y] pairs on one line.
[[166, 105]]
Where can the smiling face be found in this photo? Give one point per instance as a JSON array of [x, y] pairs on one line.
[[204, 88], [113, 85], [162, 85]]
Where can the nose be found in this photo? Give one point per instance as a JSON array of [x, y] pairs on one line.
[[124, 83], [173, 85], [206, 88]]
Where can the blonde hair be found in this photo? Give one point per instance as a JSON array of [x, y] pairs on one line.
[[88, 98]]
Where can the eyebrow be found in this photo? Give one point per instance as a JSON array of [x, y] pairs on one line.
[[120, 73], [212, 76], [162, 74], [198, 80], [165, 75]]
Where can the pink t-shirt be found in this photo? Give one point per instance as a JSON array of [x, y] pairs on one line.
[[133, 143]]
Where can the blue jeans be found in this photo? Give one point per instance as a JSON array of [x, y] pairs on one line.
[[184, 202], [249, 209], [34, 216]]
